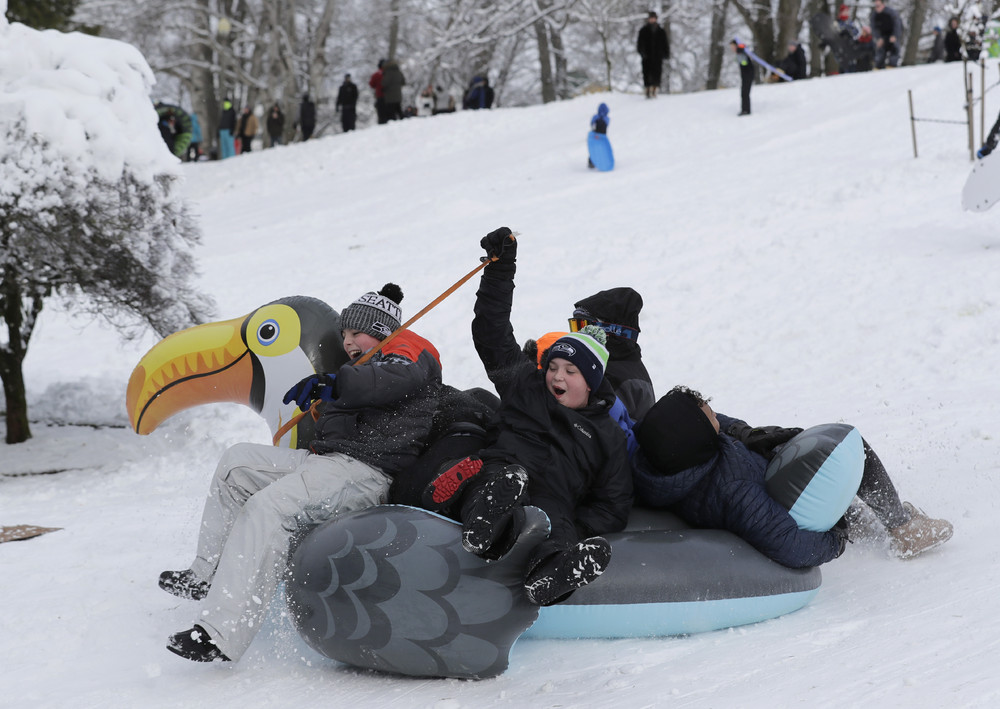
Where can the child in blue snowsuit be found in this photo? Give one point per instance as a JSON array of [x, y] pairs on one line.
[[599, 124]]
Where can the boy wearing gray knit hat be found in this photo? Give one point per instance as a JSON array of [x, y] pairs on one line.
[[375, 314]]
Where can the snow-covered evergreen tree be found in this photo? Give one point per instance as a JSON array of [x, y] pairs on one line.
[[90, 205]]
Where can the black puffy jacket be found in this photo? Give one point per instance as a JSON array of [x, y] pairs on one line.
[[573, 455], [384, 410]]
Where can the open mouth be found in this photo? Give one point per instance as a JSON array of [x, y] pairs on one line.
[[558, 391], [353, 353]]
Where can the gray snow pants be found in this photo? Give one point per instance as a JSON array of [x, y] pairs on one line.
[[258, 498]]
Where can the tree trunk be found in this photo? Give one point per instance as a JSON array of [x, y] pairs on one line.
[[19, 328], [788, 25], [393, 28], [816, 67], [317, 52], [204, 101], [544, 61], [717, 43], [559, 61], [16, 417], [915, 25], [665, 81]]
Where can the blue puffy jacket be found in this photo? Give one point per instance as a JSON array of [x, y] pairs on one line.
[[599, 123], [728, 493]]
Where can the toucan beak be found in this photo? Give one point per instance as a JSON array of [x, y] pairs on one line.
[[203, 364]]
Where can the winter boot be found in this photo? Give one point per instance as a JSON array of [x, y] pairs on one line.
[[195, 645], [184, 584], [562, 573], [487, 515], [441, 492], [919, 534]]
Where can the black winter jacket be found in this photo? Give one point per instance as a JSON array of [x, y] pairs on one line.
[[347, 95], [652, 43], [728, 493], [626, 372], [385, 408], [572, 455]]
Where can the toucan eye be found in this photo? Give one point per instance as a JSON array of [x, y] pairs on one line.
[[268, 332]]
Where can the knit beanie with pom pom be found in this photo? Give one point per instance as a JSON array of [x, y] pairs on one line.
[[375, 314], [586, 350]]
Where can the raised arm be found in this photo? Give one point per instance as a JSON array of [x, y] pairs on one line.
[[492, 332]]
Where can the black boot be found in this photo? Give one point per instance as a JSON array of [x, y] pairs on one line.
[[442, 492], [562, 573], [195, 645], [184, 584], [487, 514]]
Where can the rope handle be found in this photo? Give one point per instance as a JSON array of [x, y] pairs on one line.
[[314, 408]]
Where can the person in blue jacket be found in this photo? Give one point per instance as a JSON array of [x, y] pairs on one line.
[[194, 149], [599, 124], [709, 469]]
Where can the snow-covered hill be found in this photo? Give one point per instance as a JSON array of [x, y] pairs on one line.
[[799, 265]]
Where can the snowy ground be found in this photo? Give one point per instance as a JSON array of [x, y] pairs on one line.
[[799, 265]]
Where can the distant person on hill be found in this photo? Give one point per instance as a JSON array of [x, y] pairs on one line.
[[247, 129], [973, 46], [275, 125], [937, 49], [347, 103], [747, 74], [227, 130], [375, 82], [307, 117], [654, 48], [952, 42], [479, 94], [599, 124], [887, 32], [194, 149], [795, 63], [427, 101], [448, 101], [393, 82]]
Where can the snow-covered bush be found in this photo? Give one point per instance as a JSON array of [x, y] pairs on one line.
[[90, 205]]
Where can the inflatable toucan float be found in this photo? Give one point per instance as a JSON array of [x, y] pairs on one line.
[[391, 588]]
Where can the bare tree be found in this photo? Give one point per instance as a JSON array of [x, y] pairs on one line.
[[716, 46]]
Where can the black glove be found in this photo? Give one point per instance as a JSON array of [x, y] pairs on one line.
[[842, 530], [316, 386], [501, 245], [763, 439]]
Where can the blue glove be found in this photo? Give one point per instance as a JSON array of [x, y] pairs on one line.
[[316, 386]]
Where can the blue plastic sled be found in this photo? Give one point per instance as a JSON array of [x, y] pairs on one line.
[[600, 151]]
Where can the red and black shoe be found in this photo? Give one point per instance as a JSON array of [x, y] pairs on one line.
[[443, 490]]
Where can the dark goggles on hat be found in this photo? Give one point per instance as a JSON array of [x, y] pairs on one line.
[[626, 333]]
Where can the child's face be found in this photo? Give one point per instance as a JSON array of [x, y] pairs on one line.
[[707, 410], [565, 382], [356, 342]]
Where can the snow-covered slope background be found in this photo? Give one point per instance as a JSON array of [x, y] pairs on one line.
[[798, 265]]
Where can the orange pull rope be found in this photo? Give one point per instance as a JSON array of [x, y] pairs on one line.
[[292, 422]]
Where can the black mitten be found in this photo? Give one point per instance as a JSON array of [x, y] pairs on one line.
[[762, 439], [501, 245], [842, 529]]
